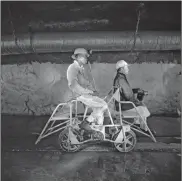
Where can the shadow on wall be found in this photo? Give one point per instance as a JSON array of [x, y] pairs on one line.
[[163, 83], [167, 99], [172, 83], [38, 87]]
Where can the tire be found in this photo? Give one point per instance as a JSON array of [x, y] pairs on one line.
[[131, 137], [66, 145]]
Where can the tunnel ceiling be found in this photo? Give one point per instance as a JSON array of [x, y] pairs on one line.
[[22, 17]]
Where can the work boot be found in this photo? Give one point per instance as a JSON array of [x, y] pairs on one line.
[[85, 125]]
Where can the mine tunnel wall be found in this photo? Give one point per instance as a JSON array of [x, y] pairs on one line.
[[37, 84]]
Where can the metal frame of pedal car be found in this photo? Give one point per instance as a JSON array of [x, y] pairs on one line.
[[47, 131], [50, 127]]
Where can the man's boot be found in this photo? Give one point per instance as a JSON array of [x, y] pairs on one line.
[[85, 125]]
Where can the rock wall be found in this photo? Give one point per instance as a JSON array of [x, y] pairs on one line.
[[36, 88]]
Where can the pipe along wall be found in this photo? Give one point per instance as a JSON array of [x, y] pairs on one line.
[[97, 41], [35, 84]]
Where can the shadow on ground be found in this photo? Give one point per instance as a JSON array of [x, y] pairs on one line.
[[21, 132]]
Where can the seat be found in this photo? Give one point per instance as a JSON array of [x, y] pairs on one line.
[[130, 113]]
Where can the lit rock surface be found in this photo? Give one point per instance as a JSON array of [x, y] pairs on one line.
[[38, 87]]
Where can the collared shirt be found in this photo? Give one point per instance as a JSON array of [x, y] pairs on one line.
[[73, 71]]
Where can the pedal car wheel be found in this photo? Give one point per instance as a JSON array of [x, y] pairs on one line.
[[130, 142], [65, 144]]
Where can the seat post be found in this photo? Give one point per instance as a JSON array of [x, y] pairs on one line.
[[76, 107], [85, 113]]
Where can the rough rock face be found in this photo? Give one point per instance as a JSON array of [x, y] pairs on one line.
[[37, 88]]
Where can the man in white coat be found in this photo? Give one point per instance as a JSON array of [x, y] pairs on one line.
[[83, 90]]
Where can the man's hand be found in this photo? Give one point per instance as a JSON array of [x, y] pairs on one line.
[[89, 86], [95, 93], [135, 91]]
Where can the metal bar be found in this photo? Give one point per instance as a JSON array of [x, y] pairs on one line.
[[76, 106], [121, 121], [52, 124], [109, 125], [58, 125], [44, 129], [129, 116], [111, 120], [151, 134], [141, 132], [57, 108], [112, 141], [129, 102], [69, 128], [59, 118], [86, 109], [53, 132], [40, 136], [153, 138]]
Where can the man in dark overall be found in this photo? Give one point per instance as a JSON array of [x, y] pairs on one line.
[[128, 94]]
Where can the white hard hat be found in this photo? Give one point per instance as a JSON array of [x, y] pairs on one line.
[[80, 51], [120, 64]]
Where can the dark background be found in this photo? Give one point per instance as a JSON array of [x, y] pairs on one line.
[[89, 16]]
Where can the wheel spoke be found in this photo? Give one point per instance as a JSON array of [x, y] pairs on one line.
[[129, 142], [128, 137], [65, 142], [118, 146], [124, 146]]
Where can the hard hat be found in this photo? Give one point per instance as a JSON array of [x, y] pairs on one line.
[[80, 51], [120, 64]]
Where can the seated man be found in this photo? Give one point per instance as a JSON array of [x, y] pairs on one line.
[[82, 89], [128, 94]]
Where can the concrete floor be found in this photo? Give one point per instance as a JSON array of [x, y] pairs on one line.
[[27, 164], [90, 166]]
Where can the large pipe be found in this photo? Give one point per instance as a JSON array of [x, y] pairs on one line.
[[97, 41]]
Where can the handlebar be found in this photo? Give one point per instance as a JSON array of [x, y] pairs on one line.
[[141, 91], [144, 92]]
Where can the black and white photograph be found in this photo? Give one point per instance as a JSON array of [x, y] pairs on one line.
[[91, 90]]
